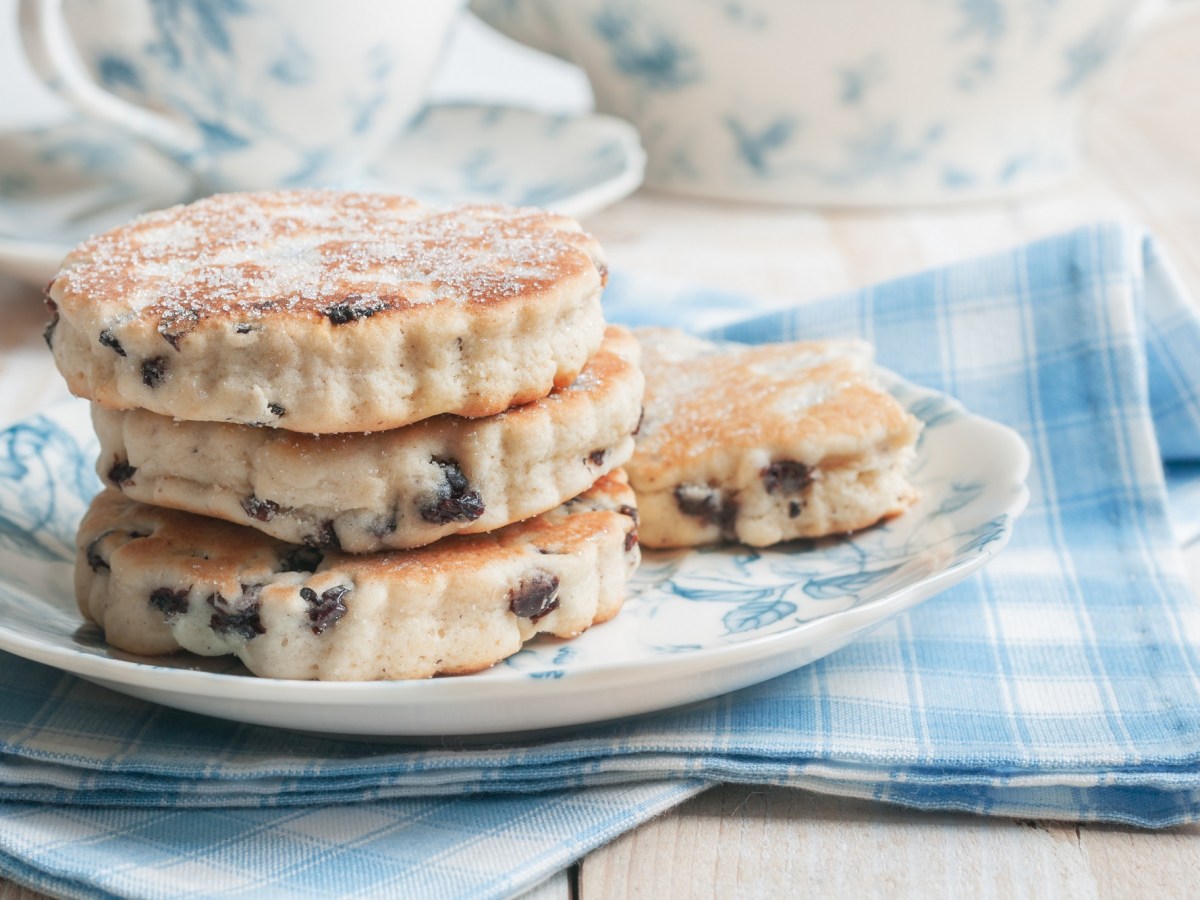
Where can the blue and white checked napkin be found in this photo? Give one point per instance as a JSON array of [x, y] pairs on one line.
[[1062, 681]]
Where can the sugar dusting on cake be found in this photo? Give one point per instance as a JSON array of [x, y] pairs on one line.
[[703, 397], [343, 256]]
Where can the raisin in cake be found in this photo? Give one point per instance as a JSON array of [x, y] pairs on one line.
[[157, 580], [388, 489], [762, 444]]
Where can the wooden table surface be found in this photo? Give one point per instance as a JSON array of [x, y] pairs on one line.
[[1144, 142]]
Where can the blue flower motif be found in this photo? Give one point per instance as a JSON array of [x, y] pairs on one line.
[[656, 59], [857, 79], [1085, 57], [479, 172], [936, 410], [312, 163], [117, 72], [742, 15], [564, 655], [47, 477], [984, 18], [755, 615], [366, 112], [680, 164], [706, 589], [208, 24], [675, 648], [880, 150], [219, 137], [755, 146], [527, 658], [982, 535], [832, 587], [380, 62], [957, 178], [295, 66], [199, 30], [1022, 164], [210, 20], [961, 494], [974, 71]]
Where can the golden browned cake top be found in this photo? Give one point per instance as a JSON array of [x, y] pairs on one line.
[[197, 549], [809, 400], [308, 253]]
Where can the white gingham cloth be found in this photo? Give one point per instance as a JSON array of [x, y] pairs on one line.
[[1062, 681]]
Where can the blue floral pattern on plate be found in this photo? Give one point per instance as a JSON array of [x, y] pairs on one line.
[[697, 623]]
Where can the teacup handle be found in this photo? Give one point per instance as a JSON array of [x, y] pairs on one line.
[[532, 24], [54, 58]]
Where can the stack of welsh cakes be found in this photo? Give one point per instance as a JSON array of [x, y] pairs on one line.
[[346, 436]]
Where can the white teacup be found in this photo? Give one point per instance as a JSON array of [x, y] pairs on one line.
[[838, 102], [245, 93]]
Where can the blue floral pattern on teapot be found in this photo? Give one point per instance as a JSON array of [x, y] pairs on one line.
[[857, 102], [246, 93]]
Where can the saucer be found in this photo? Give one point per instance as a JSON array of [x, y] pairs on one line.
[[456, 153], [61, 183]]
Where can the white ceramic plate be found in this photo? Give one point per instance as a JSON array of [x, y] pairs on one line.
[[697, 623], [61, 183]]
